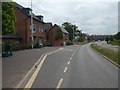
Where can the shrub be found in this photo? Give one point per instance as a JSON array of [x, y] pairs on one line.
[[48, 44], [36, 45], [15, 46], [69, 42]]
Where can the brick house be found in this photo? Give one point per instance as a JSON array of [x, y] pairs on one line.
[[52, 36], [47, 27], [23, 23]]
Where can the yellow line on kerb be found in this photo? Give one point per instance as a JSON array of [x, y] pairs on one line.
[[32, 79]]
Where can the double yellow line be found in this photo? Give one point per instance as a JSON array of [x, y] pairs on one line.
[[38, 68]]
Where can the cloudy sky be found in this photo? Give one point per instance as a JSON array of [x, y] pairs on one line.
[[91, 16]]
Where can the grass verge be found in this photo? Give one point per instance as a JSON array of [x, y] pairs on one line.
[[114, 56], [80, 43], [115, 42]]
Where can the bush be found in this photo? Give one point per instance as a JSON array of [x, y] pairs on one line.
[[36, 45], [48, 44], [15, 46], [69, 42], [115, 42]]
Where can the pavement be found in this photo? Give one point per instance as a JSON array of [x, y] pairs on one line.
[[76, 67], [15, 67]]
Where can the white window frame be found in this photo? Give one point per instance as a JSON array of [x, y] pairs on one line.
[[34, 28], [41, 30]]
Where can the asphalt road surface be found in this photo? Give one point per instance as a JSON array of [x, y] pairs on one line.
[[76, 67], [109, 46]]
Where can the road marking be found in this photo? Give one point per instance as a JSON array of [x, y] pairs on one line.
[[59, 83], [70, 58], [27, 75], [54, 51], [68, 63], [65, 69], [32, 79], [72, 55]]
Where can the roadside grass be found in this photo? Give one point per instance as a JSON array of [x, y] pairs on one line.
[[115, 56], [115, 42], [80, 43]]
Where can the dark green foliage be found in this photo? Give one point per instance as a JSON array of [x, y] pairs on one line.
[[59, 34], [115, 42], [48, 44], [70, 27], [69, 42], [8, 18], [111, 37], [117, 36], [107, 38], [15, 46]]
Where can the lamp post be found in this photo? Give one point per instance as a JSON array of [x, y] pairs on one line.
[[31, 26]]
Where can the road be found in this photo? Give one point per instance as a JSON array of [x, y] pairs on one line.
[[104, 44], [15, 68], [76, 67]]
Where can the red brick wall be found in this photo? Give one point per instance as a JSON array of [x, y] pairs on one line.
[[21, 24], [23, 27], [52, 35], [37, 33]]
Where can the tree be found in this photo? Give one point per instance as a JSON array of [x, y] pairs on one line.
[[111, 37], [8, 18], [70, 27], [117, 36], [59, 34], [107, 38]]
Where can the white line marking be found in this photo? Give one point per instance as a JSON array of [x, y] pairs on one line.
[[54, 51], [32, 79], [70, 58], [59, 83], [68, 63], [65, 69], [72, 55]]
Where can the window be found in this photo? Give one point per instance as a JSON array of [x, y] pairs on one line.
[[41, 30], [34, 28]]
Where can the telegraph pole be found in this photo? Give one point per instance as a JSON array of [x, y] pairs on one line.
[[31, 26], [73, 34]]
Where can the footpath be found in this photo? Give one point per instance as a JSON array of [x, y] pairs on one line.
[[15, 67]]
